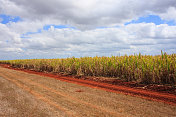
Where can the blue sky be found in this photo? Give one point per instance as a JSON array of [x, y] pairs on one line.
[[145, 19], [63, 29], [46, 27], [152, 19], [8, 18]]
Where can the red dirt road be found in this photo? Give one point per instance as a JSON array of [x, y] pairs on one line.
[[146, 94], [30, 95]]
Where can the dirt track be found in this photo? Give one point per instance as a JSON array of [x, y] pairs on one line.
[[24, 94]]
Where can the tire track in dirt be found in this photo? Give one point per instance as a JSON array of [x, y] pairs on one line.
[[68, 97], [124, 105], [161, 97], [39, 96], [145, 94]]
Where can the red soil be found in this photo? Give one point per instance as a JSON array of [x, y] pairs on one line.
[[159, 93]]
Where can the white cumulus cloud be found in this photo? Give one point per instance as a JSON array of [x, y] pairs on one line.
[[28, 39]]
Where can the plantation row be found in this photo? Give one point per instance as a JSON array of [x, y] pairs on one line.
[[160, 69]]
